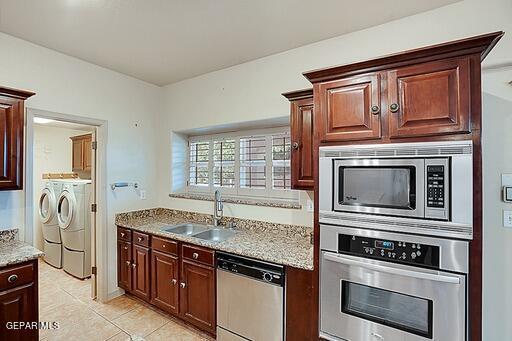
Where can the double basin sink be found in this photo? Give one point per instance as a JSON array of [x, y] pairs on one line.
[[200, 231]]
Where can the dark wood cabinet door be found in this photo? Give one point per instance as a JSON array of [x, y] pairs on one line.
[[349, 109], [197, 295], [124, 265], [18, 305], [302, 135], [11, 143], [430, 98], [164, 281], [141, 272]]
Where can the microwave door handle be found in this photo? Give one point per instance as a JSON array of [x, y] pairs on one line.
[[394, 271]]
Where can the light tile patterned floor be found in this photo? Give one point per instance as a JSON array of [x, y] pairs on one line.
[[65, 299]]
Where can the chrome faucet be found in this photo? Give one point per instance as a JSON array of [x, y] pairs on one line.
[[218, 208]]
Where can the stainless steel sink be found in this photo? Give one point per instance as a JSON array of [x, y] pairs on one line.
[[215, 235], [187, 229]]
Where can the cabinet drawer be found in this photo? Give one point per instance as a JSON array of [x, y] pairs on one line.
[[124, 234], [164, 245], [198, 254], [16, 275], [140, 239]]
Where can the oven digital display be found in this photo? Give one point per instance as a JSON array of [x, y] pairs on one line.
[[386, 245]]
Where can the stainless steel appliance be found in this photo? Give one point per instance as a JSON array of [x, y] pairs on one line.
[[249, 299], [382, 286], [423, 188]]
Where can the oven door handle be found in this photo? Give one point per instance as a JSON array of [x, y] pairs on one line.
[[394, 271]]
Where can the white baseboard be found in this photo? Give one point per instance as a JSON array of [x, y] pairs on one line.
[[116, 293]]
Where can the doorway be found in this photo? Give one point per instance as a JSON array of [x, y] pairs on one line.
[[65, 213]]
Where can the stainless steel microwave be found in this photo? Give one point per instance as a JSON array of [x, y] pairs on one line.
[[428, 186]]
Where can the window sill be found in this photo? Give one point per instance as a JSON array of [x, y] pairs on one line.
[[292, 205]]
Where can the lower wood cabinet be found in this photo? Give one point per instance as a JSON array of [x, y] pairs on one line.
[[140, 272], [19, 301], [164, 281], [177, 278], [197, 303]]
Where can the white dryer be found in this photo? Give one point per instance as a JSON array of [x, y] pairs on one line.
[[47, 208], [74, 218]]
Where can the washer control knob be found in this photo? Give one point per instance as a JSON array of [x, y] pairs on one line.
[[418, 253], [267, 277], [413, 255]]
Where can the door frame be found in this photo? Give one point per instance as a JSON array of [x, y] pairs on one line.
[[101, 216]]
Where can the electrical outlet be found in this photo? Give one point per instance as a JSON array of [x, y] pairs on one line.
[[507, 218], [309, 206], [142, 194]]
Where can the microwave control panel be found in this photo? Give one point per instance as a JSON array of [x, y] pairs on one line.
[[390, 250], [435, 186]]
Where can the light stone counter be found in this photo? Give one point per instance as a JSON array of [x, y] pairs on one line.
[[12, 251]]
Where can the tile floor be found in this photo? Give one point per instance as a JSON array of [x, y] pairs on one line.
[[66, 300]]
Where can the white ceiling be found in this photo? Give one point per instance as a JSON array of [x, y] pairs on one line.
[[164, 41]]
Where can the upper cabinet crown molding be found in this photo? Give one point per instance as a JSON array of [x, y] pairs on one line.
[[12, 117], [481, 44], [298, 94]]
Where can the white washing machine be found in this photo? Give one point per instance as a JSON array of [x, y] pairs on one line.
[[47, 207], [74, 218]]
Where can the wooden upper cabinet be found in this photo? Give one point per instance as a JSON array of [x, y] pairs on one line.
[[430, 91], [82, 153], [430, 98], [11, 137], [302, 137], [349, 108]]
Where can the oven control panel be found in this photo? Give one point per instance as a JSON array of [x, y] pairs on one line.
[[390, 250], [435, 186]]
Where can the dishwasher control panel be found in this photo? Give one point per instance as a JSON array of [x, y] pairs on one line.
[[258, 270]]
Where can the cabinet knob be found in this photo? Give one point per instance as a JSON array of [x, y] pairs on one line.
[[127, 263], [134, 265], [122, 234], [195, 255], [140, 239], [12, 278], [375, 109], [295, 145], [174, 281], [394, 107], [183, 285], [163, 245], [126, 247]]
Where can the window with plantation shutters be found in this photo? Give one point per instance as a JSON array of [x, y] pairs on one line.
[[199, 168], [253, 162], [281, 168], [247, 163], [224, 163]]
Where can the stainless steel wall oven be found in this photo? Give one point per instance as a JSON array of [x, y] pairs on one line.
[[386, 286]]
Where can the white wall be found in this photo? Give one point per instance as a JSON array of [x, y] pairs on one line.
[[497, 158], [251, 91], [52, 154], [67, 85]]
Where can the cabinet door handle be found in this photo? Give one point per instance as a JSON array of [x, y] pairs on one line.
[[140, 239], [12, 278], [195, 255], [174, 281], [375, 109], [183, 285], [394, 107], [295, 145]]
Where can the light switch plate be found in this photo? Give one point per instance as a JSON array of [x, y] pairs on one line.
[[507, 218], [142, 194]]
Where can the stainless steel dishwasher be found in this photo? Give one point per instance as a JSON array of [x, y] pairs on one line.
[[250, 302]]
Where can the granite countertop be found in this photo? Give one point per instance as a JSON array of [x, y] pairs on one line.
[[12, 251], [277, 243]]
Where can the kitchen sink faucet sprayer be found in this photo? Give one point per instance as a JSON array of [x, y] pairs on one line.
[[218, 209]]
